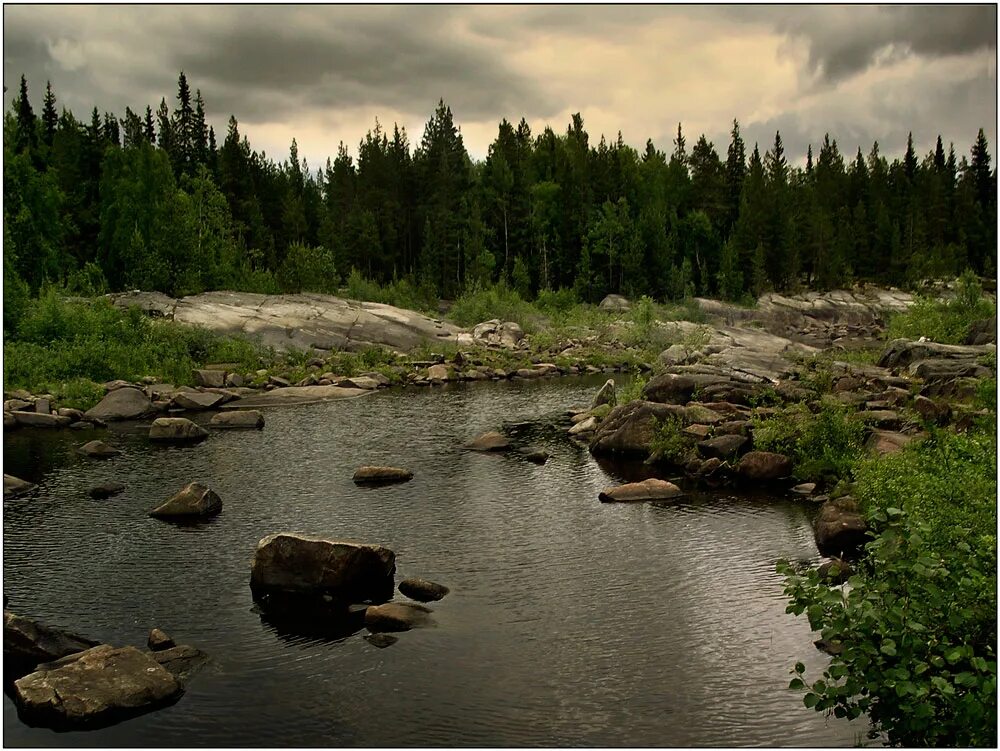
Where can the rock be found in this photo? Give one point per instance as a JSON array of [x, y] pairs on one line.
[[98, 450], [647, 490], [673, 388], [36, 420], [81, 425], [372, 475], [806, 488], [930, 411], [733, 427], [830, 646], [629, 428], [396, 616], [535, 455], [122, 404], [196, 400], [299, 565], [176, 430], [247, 419], [840, 529], [491, 441], [359, 382], [42, 406], [14, 486], [606, 395], [615, 304], [584, 426], [106, 490], [835, 571], [193, 500], [764, 465], [181, 661], [903, 352], [110, 386], [27, 642], [721, 447], [699, 413], [601, 411], [381, 640], [507, 334], [9, 421], [72, 414], [212, 378], [158, 640], [698, 432], [933, 370], [982, 332], [235, 380], [885, 419], [422, 590], [95, 687], [887, 442], [19, 405], [297, 395], [439, 373]]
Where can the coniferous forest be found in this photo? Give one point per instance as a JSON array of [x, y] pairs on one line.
[[157, 200]]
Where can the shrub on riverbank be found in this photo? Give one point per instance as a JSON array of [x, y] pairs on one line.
[[945, 322]]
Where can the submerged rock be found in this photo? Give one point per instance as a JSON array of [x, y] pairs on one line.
[[193, 500], [96, 687], [106, 490], [535, 455], [422, 590], [490, 441], [98, 450], [381, 640], [176, 430], [396, 616], [376, 475], [647, 490], [181, 661], [292, 564], [15, 486]]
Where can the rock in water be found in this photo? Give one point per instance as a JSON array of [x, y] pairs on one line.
[[840, 529], [298, 565], [372, 475], [15, 486], [721, 447], [764, 465], [647, 490], [176, 430], [381, 640], [96, 687], [181, 661], [396, 616], [250, 419], [196, 400], [122, 404], [422, 590], [106, 490], [491, 441], [159, 640], [606, 395], [193, 500], [535, 455], [27, 642], [98, 450]]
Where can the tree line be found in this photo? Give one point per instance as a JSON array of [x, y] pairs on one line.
[[153, 201]]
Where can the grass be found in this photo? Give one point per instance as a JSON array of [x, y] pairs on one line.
[[944, 321]]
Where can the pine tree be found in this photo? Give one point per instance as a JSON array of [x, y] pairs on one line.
[[26, 139], [50, 118], [735, 174], [149, 131]]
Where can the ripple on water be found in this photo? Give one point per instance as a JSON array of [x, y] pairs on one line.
[[570, 622]]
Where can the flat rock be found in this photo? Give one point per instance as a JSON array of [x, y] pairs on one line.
[[364, 383], [181, 661], [193, 500], [288, 563], [15, 486], [39, 420], [490, 441], [374, 475], [125, 403], [106, 490], [647, 490], [584, 426], [805, 488], [98, 450], [396, 616], [196, 400], [422, 590], [243, 419], [176, 430], [296, 395], [99, 686]]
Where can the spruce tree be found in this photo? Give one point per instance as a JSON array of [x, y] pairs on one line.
[[26, 139], [50, 118]]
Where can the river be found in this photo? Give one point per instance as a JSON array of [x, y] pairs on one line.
[[570, 622]]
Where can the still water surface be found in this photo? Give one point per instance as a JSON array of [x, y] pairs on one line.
[[570, 622]]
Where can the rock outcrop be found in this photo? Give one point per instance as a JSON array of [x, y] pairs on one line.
[[629, 429], [26, 643]]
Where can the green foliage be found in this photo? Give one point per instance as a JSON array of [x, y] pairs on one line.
[[945, 322], [308, 269], [497, 301], [402, 293], [669, 444], [631, 391], [556, 301]]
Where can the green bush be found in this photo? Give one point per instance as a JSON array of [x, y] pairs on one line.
[[669, 444], [945, 322], [308, 269], [556, 301], [498, 301], [402, 293], [632, 391]]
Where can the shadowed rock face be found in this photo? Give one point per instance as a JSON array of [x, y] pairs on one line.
[[27, 643], [302, 321]]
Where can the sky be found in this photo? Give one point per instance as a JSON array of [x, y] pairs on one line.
[[323, 74]]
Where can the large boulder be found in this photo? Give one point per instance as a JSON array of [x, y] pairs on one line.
[[422, 590], [983, 331], [629, 428], [504, 334], [840, 529], [396, 616], [124, 403], [296, 565], [615, 304], [15, 486], [370, 475], [721, 447], [212, 378], [193, 500], [176, 430], [606, 395], [764, 465], [676, 388], [26, 643], [491, 441], [245, 419], [647, 490], [96, 687]]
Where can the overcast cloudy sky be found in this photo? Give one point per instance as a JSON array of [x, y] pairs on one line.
[[323, 73]]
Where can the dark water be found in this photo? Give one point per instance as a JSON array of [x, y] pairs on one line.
[[570, 622]]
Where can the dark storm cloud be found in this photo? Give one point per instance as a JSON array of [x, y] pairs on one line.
[[846, 40]]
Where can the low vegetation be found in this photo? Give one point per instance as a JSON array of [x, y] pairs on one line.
[[944, 321]]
